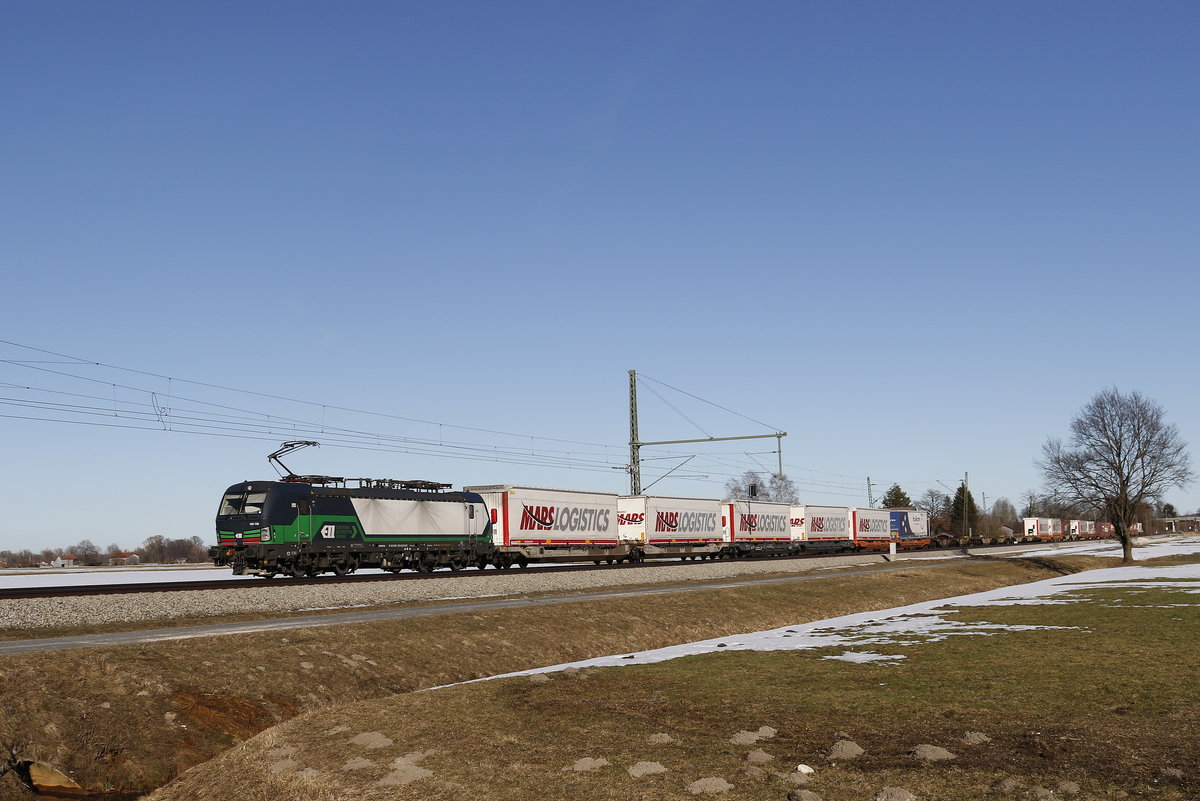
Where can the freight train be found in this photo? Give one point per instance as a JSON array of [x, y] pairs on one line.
[[1048, 529], [305, 526], [308, 525]]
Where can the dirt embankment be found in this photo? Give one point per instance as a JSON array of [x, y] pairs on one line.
[[125, 720]]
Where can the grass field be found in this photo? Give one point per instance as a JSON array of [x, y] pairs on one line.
[[129, 719], [1108, 700]]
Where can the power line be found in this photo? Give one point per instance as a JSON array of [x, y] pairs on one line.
[[645, 377], [80, 361]]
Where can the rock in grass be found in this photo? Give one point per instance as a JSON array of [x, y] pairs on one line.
[[404, 773], [1040, 794], [894, 794], [932, 753], [745, 738], [372, 739], [709, 786], [803, 795], [1006, 786], [756, 773], [358, 763], [47, 778], [975, 738], [845, 749], [539, 678], [1067, 788], [795, 777], [641, 769], [759, 757], [1174, 774], [661, 738], [587, 763]]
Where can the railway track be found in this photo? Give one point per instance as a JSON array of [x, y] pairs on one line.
[[327, 580], [221, 584]]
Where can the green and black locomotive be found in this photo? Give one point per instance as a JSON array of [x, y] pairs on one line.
[[303, 528], [307, 525]]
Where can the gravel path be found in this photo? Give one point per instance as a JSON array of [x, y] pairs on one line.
[[35, 613]]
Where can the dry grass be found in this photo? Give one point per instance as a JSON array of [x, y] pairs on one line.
[[1107, 704], [131, 718]]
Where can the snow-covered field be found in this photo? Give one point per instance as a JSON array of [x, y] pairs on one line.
[[892, 629]]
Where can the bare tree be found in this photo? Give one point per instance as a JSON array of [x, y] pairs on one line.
[[87, 552], [1122, 455], [1004, 513], [934, 503], [773, 487], [154, 548]]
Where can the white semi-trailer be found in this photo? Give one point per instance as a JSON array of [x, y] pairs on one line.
[[757, 526], [822, 528], [1042, 528], [872, 528], [670, 526], [538, 522]]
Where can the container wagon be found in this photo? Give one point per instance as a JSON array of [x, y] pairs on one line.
[[872, 529], [757, 528], [822, 528], [910, 528], [671, 527], [569, 525]]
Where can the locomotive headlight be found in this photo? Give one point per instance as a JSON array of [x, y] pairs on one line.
[[266, 533]]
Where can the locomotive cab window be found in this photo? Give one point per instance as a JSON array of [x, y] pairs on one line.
[[242, 503]]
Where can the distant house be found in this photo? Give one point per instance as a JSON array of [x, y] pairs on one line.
[[66, 560], [125, 558]]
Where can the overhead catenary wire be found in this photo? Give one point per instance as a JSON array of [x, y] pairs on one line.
[[122, 404]]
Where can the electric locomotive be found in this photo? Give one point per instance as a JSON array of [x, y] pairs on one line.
[[307, 525]]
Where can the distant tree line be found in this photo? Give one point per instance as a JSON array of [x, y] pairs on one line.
[[154, 550]]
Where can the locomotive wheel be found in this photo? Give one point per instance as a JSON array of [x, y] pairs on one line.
[[296, 570], [457, 563], [239, 570], [342, 568]]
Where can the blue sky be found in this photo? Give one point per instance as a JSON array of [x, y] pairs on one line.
[[917, 237]]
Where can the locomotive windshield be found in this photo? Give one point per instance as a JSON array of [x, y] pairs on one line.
[[241, 502]]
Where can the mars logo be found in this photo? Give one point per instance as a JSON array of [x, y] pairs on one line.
[[667, 521], [537, 518], [822, 525], [754, 522], [631, 519], [867, 525], [565, 518]]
